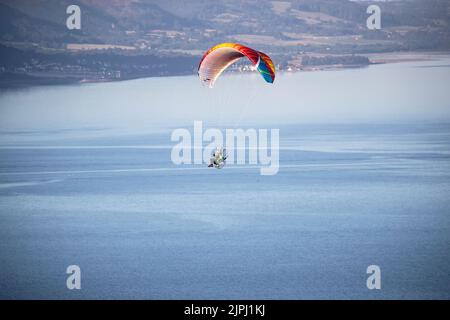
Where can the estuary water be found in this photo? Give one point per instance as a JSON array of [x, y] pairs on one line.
[[86, 179]]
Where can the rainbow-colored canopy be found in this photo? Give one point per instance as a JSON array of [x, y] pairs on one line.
[[221, 56]]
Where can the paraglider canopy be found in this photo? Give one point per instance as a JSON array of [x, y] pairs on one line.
[[221, 56]]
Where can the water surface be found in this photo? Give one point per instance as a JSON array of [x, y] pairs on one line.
[[86, 179]]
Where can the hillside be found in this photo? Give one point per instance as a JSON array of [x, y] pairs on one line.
[[285, 29]]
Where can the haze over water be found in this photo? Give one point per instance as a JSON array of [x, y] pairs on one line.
[[86, 178]]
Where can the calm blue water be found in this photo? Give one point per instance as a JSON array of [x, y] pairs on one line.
[[86, 179]]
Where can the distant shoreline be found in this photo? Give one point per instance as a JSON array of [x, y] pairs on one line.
[[16, 81]]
